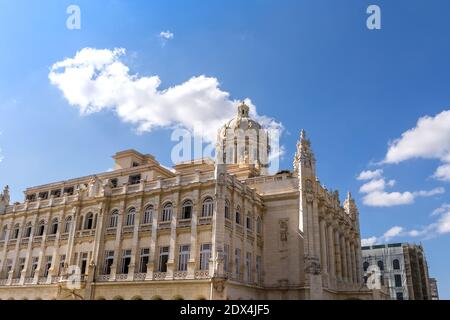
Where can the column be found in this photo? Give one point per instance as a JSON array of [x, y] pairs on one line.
[[331, 255], [118, 242], [337, 255], [323, 249], [173, 238], [343, 258], [135, 245], [349, 261], [194, 245], [152, 261]]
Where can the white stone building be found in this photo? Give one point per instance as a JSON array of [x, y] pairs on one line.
[[203, 230]]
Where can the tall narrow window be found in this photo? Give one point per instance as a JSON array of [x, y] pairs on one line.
[[186, 210], [237, 262], [365, 266], [248, 222], [143, 261], [54, 229], [238, 215], [398, 280], [248, 266], [113, 218], [62, 262], [380, 265], [205, 255], [183, 257], [163, 258], [259, 225], [67, 224], [226, 257], [16, 231], [208, 207], [134, 179], [396, 264], [28, 229], [48, 265], [258, 268], [20, 267], [41, 228], [130, 217], [167, 212], [109, 259], [148, 214], [89, 222], [84, 259], [126, 259], [227, 209], [4, 232], [34, 265]]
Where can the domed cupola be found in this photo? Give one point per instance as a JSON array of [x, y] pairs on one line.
[[242, 141]]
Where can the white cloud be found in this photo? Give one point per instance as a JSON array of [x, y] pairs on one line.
[[373, 185], [443, 172], [386, 237], [388, 199], [369, 241], [368, 175], [95, 80], [166, 35], [429, 139], [377, 196]]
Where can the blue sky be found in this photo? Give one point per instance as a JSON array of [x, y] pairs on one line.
[[306, 64]]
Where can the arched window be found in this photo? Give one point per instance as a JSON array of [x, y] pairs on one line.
[[41, 228], [130, 217], [28, 227], [238, 215], [167, 212], [259, 225], [208, 207], [227, 209], [16, 230], [89, 221], [380, 265], [148, 214], [249, 221], [4, 232], [54, 229], [396, 264], [186, 210], [365, 266], [113, 218], [67, 224]]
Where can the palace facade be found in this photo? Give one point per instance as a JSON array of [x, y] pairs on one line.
[[203, 230]]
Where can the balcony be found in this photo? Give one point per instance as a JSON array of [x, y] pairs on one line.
[[204, 220], [86, 233], [15, 282], [24, 240], [202, 274], [51, 237], [29, 280], [184, 223], [178, 275], [127, 229], [164, 224], [139, 276], [145, 228], [3, 282], [64, 236], [103, 278], [111, 231], [122, 277], [37, 239], [159, 275]]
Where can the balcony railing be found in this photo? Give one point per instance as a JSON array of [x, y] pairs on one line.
[[180, 275], [103, 277], [164, 224], [86, 233], [184, 223], [29, 280], [145, 227], [37, 239], [204, 220], [128, 229], [159, 275], [122, 277], [139, 276], [111, 231], [202, 274]]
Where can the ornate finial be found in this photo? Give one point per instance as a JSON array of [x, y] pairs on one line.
[[349, 195], [303, 134], [243, 110]]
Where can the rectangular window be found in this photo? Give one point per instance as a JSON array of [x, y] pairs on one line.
[[205, 255], [258, 268], [183, 257], [84, 259], [398, 280], [43, 195], [226, 257], [62, 261], [248, 266], [134, 179], [56, 193], [109, 259], [21, 266], [114, 183], [69, 191], [143, 261], [31, 197], [34, 265], [48, 265], [126, 259], [237, 262], [163, 258]]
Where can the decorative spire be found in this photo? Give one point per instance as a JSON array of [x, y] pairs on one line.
[[243, 110]]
